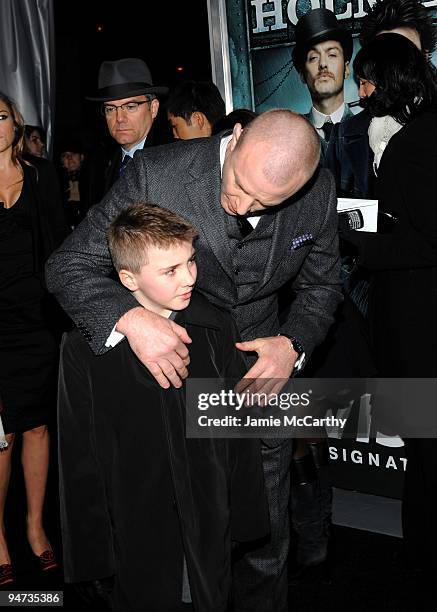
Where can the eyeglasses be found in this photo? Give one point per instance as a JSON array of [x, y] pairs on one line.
[[110, 110]]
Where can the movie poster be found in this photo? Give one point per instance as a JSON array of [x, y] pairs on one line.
[[261, 39]]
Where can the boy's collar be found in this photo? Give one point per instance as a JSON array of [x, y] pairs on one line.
[[199, 312]]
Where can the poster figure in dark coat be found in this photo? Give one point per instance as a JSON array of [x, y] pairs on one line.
[[140, 501]]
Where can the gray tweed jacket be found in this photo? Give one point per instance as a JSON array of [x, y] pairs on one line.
[[185, 178]]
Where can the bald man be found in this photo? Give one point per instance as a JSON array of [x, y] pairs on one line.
[[266, 219]]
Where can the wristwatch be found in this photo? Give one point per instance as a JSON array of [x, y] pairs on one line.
[[298, 347]]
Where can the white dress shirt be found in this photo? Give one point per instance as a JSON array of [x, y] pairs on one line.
[[318, 119]]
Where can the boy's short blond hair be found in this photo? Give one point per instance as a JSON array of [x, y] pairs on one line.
[[140, 227]]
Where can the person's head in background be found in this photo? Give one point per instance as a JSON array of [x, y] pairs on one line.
[[321, 56], [129, 100], [152, 251], [192, 109], [406, 17], [395, 78], [34, 140], [243, 116], [11, 128], [71, 156]]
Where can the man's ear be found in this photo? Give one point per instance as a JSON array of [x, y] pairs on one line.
[[128, 279], [154, 107], [236, 133], [346, 70]]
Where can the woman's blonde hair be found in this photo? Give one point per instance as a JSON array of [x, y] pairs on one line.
[[17, 117]]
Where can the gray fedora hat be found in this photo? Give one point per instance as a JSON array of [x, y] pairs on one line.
[[123, 78], [315, 27]]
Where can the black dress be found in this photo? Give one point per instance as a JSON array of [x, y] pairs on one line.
[[27, 346]]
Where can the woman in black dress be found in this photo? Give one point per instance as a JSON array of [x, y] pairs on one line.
[[31, 226]]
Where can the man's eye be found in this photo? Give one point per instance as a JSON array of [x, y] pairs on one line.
[[132, 106]]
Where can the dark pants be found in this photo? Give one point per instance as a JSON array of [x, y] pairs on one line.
[[260, 575], [311, 511]]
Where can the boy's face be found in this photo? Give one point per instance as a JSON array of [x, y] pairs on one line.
[[166, 282]]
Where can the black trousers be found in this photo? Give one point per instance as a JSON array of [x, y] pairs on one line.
[[260, 582]]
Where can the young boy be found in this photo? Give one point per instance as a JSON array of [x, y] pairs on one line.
[[148, 514]]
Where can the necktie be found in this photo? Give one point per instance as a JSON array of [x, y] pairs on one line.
[[244, 226], [126, 160], [328, 126]]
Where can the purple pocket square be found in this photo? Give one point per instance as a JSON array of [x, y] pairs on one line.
[[299, 241]]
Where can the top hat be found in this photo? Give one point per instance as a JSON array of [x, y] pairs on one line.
[[315, 27], [124, 78]]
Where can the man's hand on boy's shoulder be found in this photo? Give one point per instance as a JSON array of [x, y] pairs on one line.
[[159, 343]]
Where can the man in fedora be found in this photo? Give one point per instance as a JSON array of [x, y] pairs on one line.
[[130, 106], [321, 55]]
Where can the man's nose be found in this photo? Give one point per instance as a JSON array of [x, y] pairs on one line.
[[244, 205], [120, 114]]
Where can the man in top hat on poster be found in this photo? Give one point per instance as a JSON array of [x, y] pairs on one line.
[[321, 55], [130, 106]]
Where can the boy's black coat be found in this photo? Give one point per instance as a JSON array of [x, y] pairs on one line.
[[111, 461]]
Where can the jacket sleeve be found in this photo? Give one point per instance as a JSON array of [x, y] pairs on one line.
[[79, 272], [317, 287], [410, 178], [85, 521]]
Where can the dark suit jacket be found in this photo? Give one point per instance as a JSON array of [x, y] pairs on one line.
[[112, 166], [185, 177], [350, 158], [404, 263], [119, 433]]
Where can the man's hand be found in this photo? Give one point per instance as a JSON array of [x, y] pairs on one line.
[[159, 344], [276, 359]]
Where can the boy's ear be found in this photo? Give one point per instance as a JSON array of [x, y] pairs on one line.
[[128, 279]]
